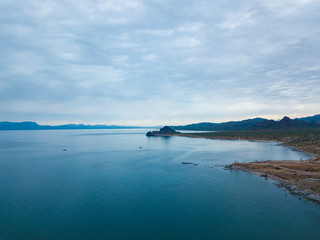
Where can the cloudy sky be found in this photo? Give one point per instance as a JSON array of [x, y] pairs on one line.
[[155, 62]]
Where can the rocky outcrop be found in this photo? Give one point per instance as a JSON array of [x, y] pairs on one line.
[[165, 131], [309, 143]]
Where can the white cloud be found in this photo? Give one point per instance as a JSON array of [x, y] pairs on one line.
[[150, 57], [158, 32], [111, 11], [285, 7], [186, 42], [89, 77], [155, 62], [236, 20], [84, 12], [121, 60], [313, 68], [191, 27], [119, 6], [20, 30]]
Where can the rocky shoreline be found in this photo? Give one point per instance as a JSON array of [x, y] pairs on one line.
[[300, 178]]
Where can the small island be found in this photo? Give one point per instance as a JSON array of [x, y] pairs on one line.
[[165, 131]]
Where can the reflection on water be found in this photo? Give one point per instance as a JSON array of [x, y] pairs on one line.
[[120, 184], [162, 140]]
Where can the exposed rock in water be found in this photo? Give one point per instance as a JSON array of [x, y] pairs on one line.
[[165, 131]]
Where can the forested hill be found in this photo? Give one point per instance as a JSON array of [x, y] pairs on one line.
[[233, 125], [284, 124], [253, 124], [315, 118]]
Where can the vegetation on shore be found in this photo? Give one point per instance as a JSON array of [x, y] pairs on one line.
[[301, 134], [307, 139]]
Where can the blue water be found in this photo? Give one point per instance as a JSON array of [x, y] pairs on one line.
[[106, 187]]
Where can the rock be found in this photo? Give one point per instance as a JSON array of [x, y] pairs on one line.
[[163, 132], [264, 175]]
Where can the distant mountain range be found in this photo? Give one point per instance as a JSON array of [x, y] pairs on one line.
[[284, 124], [233, 125], [254, 124], [35, 126], [315, 118]]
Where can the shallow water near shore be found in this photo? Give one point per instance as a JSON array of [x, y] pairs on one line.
[[120, 184]]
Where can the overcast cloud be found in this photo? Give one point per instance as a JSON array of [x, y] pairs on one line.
[[139, 62]]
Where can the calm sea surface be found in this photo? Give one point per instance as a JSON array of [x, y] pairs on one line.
[[106, 187]]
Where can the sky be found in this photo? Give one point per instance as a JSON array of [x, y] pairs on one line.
[[157, 62]]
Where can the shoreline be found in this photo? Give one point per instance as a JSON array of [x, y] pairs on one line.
[[299, 177], [314, 154], [297, 180]]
